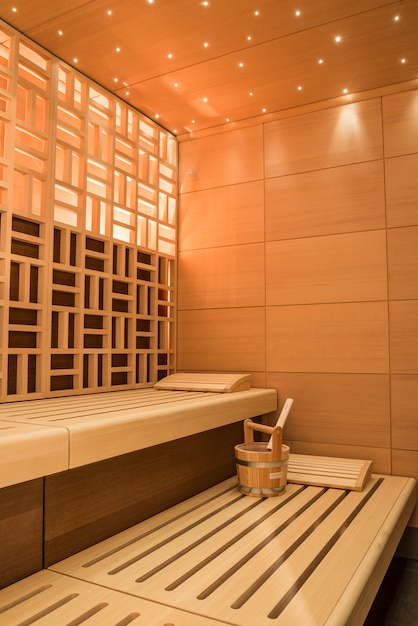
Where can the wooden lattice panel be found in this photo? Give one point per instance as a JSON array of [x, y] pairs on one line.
[[87, 233]]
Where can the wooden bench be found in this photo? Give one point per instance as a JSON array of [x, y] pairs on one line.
[[313, 556], [42, 437], [74, 470]]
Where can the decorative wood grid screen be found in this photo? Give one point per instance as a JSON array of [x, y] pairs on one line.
[[87, 233]]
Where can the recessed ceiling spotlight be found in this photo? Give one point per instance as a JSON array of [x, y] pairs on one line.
[[60, 33], [345, 90], [109, 12], [14, 9], [297, 13], [170, 55], [227, 119], [206, 3], [251, 93], [320, 61], [299, 87], [116, 80], [338, 38], [176, 84], [205, 99], [206, 45], [249, 38], [264, 110], [193, 121], [241, 64], [118, 49], [403, 60], [396, 18], [256, 13], [150, 1], [157, 115], [127, 93]]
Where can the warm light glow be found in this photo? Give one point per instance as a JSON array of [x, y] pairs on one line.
[[338, 38], [345, 90], [60, 33], [205, 99], [256, 12], [109, 12], [397, 18], [169, 55], [75, 60], [241, 64], [115, 80], [320, 61], [249, 38], [403, 60], [300, 88], [157, 115], [14, 10], [264, 110], [297, 13], [117, 49], [206, 45]]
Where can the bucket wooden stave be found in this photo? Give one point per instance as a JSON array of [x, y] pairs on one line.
[[260, 471]]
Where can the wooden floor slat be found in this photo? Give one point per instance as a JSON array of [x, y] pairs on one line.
[[284, 560]]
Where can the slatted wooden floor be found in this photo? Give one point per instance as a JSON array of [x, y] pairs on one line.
[[311, 556]]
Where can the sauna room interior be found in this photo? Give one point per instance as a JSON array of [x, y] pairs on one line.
[[221, 187]]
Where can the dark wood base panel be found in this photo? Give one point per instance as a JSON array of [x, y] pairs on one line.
[[21, 531], [88, 504]]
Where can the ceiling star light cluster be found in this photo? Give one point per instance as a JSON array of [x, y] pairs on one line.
[[198, 65]]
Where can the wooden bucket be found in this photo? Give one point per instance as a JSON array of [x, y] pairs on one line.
[[260, 471]]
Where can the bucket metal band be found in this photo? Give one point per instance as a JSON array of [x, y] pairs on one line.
[[262, 491], [261, 464]]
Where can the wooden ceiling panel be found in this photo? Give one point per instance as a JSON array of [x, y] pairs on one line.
[[279, 50]]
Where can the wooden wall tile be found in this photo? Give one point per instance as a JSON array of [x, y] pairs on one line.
[[340, 409], [334, 200], [328, 338], [404, 400], [328, 138], [231, 276], [222, 340], [218, 160], [223, 216], [403, 263], [404, 336], [401, 177], [405, 463], [400, 123], [381, 457], [335, 268]]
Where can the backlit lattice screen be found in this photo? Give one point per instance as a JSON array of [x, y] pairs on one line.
[[87, 233]]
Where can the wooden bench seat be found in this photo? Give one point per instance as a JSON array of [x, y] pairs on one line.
[[68, 432], [314, 556]]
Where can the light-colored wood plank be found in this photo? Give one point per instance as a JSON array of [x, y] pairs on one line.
[[57, 599], [350, 338], [401, 190], [228, 159], [403, 336], [339, 136], [233, 338], [403, 263], [404, 402], [30, 451], [263, 561], [335, 268], [400, 123], [333, 200], [216, 278], [108, 425], [230, 215]]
